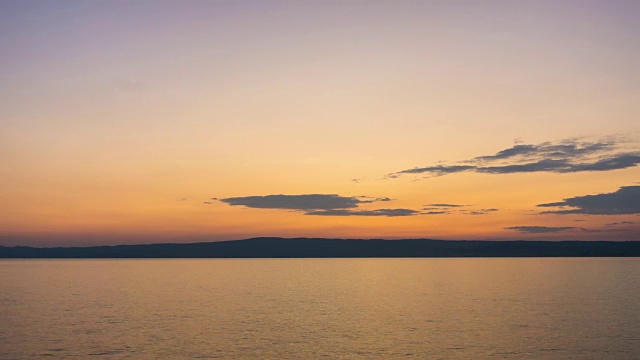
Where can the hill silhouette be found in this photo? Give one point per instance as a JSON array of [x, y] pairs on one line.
[[335, 248]]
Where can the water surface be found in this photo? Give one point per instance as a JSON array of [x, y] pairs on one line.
[[550, 308]]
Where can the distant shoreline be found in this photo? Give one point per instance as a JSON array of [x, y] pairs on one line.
[[335, 248]]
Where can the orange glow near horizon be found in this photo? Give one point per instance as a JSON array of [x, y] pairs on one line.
[[118, 128]]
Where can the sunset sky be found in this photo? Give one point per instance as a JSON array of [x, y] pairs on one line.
[[182, 121]]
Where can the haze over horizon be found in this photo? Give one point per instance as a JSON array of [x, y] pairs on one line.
[[133, 122]]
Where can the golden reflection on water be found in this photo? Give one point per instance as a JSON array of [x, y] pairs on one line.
[[312, 308]]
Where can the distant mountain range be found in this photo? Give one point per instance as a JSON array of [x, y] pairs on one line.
[[335, 248]]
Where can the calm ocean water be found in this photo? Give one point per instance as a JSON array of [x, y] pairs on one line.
[[572, 308]]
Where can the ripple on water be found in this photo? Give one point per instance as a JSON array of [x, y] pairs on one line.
[[322, 308]]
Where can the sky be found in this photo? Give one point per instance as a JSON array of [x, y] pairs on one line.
[[182, 121]]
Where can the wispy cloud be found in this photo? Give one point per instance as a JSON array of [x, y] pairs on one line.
[[621, 223], [539, 229], [377, 212], [566, 156], [444, 208], [565, 149], [370, 199], [438, 170], [478, 212], [445, 205], [622, 202], [530, 229], [603, 230]]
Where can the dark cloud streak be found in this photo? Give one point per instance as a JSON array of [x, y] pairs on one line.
[[446, 205], [569, 148], [554, 229], [625, 201], [377, 212], [539, 229], [620, 223], [438, 170], [296, 202], [566, 156], [319, 204], [478, 212]]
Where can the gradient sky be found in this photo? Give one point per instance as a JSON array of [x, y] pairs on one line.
[[155, 121]]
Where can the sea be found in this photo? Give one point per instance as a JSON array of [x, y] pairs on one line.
[[410, 308]]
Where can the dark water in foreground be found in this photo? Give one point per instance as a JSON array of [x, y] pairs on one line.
[[551, 308]]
